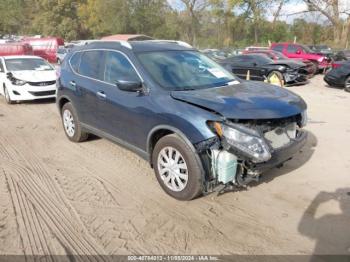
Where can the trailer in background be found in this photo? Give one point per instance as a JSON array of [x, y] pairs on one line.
[[15, 49], [45, 47]]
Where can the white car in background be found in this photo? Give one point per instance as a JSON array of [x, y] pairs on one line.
[[24, 78]]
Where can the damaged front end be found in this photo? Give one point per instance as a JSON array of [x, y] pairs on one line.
[[296, 76], [244, 149]]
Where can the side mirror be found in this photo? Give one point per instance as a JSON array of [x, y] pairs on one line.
[[129, 85], [298, 52]]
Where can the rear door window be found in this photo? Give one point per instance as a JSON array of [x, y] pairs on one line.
[[247, 60], [118, 67], [278, 48], [90, 64], [237, 59], [292, 49]]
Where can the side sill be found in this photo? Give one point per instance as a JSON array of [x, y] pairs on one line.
[[116, 140]]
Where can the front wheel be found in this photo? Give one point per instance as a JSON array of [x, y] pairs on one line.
[[347, 84], [178, 169], [275, 78], [71, 124]]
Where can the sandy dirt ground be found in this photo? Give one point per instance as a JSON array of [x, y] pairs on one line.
[[57, 197]]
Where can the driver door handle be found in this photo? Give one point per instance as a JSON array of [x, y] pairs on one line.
[[72, 84], [101, 94]]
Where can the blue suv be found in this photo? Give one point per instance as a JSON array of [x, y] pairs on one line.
[[199, 126]]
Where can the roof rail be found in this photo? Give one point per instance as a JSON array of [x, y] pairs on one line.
[[127, 44], [122, 42], [172, 41], [184, 44]]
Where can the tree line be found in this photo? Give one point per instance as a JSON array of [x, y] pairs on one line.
[[203, 23]]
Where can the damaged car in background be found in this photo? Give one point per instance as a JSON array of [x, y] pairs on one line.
[[200, 127], [261, 68], [24, 78]]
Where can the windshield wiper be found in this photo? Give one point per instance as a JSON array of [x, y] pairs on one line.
[[187, 89]]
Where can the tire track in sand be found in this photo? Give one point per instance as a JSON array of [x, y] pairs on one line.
[[38, 203]]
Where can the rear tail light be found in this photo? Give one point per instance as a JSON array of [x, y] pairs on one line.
[[336, 65]]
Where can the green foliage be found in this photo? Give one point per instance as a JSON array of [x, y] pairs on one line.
[[55, 18], [11, 16], [205, 23]]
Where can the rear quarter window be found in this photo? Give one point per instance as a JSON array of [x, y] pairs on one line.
[[278, 48], [292, 49]]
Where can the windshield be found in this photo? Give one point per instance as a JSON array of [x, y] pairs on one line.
[[184, 70], [35, 64]]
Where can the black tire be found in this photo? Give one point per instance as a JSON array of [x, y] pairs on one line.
[[194, 186], [7, 96], [347, 84], [279, 75], [78, 135]]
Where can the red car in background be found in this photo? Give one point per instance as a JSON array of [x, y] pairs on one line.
[[277, 56], [292, 50], [15, 49], [45, 47]]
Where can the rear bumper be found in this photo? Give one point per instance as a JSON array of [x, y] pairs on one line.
[[283, 154]]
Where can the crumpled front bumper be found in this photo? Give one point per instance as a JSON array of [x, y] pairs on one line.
[[282, 154], [295, 78]]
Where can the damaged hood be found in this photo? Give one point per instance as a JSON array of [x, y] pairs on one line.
[[246, 100], [35, 75]]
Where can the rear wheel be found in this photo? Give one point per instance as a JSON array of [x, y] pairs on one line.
[[347, 84], [178, 170], [275, 78], [7, 96], [71, 124]]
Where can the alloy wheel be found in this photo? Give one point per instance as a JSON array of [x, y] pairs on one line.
[[68, 122], [172, 169]]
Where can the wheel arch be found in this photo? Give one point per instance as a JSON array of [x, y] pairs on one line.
[[160, 131], [62, 101]]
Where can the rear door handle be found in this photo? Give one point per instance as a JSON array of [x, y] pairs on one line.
[[101, 94]]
